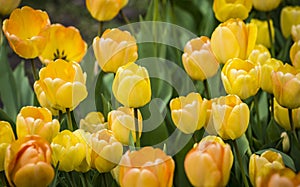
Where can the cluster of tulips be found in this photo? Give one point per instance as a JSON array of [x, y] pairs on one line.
[[43, 143]]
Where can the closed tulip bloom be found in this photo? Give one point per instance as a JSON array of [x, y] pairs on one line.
[[61, 85], [233, 39], [230, 116], [295, 54], [209, 162], [289, 16], [68, 150], [266, 74], [8, 6], [131, 86], [106, 151], [64, 43], [209, 124], [114, 49], [122, 122], [37, 121], [282, 117], [241, 77], [93, 122], [6, 137], [83, 137], [147, 167], [277, 178], [266, 5], [198, 59], [103, 10], [259, 55], [226, 9], [267, 162], [295, 32], [27, 162], [286, 86], [188, 113], [263, 36], [25, 31]]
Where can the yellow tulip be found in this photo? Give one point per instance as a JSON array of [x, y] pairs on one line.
[[282, 117], [286, 86], [68, 150], [230, 116], [226, 9], [188, 113], [295, 32], [285, 142], [209, 162], [267, 68], [198, 59], [147, 167], [266, 5], [122, 122], [289, 16], [278, 178], [259, 55], [61, 85], [25, 31], [103, 10], [106, 151], [209, 125], [114, 49], [263, 36], [233, 39], [8, 6], [268, 161], [6, 137], [295, 54], [93, 122], [37, 121], [241, 77], [27, 162], [64, 43], [131, 86]]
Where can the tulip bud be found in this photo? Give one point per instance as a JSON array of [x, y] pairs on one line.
[[263, 36], [146, 167], [289, 16], [114, 49], [295, 32], [93, 122], [27, 162], [188, 113], [241, 77], [131, 86], [209, 162], [267, 68], [209, 124], [295, 54], [285, 142], [37, 121], [230, 116], [6, 137], [8, 6], [266, 5], [198, 59], [259, 55]]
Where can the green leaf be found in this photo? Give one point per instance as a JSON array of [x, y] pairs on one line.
[[131, 142]]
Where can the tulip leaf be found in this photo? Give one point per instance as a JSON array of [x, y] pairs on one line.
[[294, 153]]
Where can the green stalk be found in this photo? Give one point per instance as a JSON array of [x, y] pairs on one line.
[[34, 72], [206, 87], [292, 123], [100, 28], [257, 115], [239, 158], [137, 130], [270, 35], [69, 118]]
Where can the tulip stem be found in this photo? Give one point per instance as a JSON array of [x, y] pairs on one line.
[[257, 115], [69, 119], [35, 75], [3, 179], [124, 17], [137, 131], [100, 28], [239, 158], [292, 123], [270, 34], [206, 88]]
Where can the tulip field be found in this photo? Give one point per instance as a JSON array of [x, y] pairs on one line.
[[150, 93]]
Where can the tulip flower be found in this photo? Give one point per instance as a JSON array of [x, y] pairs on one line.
[[286, 86], [6, 137], [233, 39], [263, 36], [64, 43], [226, 9], [149, 167], [27, 162], [103, 10], [8, 6], [295, 32], [131, 86], [266, 5], [121, 122], [198, 59], [37, 121], [106, 151], [209, 125], [209, 162], [295, 54], [93, 122], [25, 31], [289, 16], [267, 68], [230, 117], [259, 55], [282, 177], [61, 85], [267, 162], [68, 150], [114, 49], [241, 77], [188, 113]]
